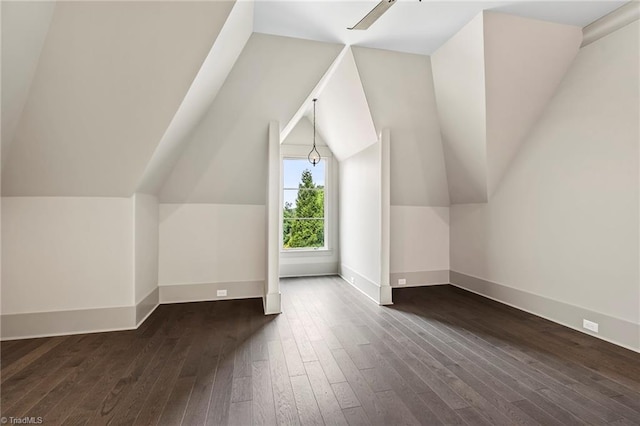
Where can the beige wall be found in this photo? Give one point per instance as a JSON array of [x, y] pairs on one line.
[[146, 212], [210, 243], [419, 239], [360, 217], [563, 224], [66, 253]]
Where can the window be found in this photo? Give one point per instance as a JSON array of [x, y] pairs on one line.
[[304, 204]]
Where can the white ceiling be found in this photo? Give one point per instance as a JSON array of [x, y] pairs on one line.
[[409, 26]]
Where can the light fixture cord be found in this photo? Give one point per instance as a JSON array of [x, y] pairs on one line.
[[314, 123]]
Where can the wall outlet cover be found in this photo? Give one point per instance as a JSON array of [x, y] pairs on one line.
[[222, 293], [402, 281], [590, 325]]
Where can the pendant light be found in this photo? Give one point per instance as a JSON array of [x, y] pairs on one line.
[[314, 155]]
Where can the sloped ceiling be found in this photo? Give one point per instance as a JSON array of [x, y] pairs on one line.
[[458, 73], [224, 159], [400, 94], [223, 55], [343, 116], [24, 28], [110, 78], [302, 134], [523, 70], [493, 79]]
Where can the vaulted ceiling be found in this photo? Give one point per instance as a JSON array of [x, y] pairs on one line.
[[410, 25], [174, 98], [109, 80]]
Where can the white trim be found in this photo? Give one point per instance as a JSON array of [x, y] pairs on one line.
[[273, 216], [65, 323], [385, 208], [272, 303], [202, 292], [309, 268], [295, 152], [420, 278], [625, 333], [304, 252], [379, 294], [151, 300], [611, 22], [359, 289]]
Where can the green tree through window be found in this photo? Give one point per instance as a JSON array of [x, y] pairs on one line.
[[303, 224]]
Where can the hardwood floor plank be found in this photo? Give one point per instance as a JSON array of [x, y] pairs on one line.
[[176, 405], [241, 414], [363, 392], [439, 355], [472, 417], [329, 365], [198, 403], [258, 339], [535, 413], [127, 361], [159, 394], [264, 412], [292, 355], [219, 400], [38, 399], [241, 389], [284, 400], [306, 404], [130, 393], [11, 368], [30, 375], [242, 358], [304, 344], [396, 413], [356, 417], [345, 396], [327, 402], [76, 387]]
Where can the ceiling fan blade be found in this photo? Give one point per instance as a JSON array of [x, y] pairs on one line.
[[373, 16]]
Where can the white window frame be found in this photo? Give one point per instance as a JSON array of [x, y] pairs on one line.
[[299, 152]]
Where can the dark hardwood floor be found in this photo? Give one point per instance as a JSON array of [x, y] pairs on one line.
[[438, 356]]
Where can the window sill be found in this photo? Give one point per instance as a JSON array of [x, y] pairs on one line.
[[306, 252]]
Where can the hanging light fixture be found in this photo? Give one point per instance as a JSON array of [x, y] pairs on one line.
[[314, 155]]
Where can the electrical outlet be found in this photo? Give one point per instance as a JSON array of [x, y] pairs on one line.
[[353, 280], [590, 325], [402, 281], [222, 293]]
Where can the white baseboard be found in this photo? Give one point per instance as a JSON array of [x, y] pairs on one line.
[[81, 321], [61, 323], [180, 293], [146, 306], [419, 278], [272, 304], [613, 330], [379, 294], [316, 269]]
